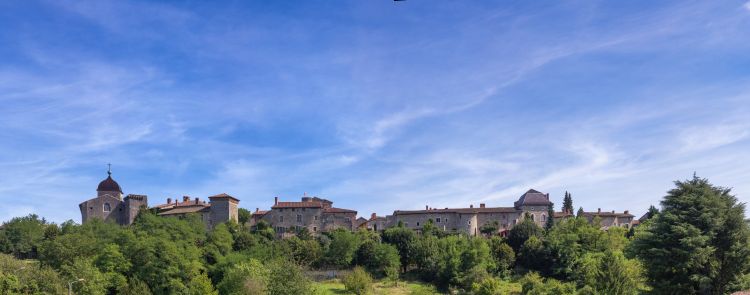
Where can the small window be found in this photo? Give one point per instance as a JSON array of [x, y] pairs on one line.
[[437, 220], [292, 209], [316, 217], [446, 220], [299, 218], [315, 228], [107, 207], [417, 223], [281, 218], [544, 217]]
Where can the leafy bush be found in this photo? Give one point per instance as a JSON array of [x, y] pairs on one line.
[[358, 281]]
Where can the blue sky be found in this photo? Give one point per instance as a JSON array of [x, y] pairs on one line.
[[376, 105]]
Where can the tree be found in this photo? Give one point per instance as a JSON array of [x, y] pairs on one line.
[[522, 232], [580, 212], [698, 243], [243, 216], [135, 287], [404, 240], [22, 235], [245, 278], [652, 211], [286, 278], [550, 218], [503, 255], [567, 203], [534, 256], [358, 281], [611, 273], [489, 228], [341, 250]]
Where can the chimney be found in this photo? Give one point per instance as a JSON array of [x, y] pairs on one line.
[[373, 216], [547, 195], [275, 201], [613, 211], [169, 200], [257, 209], [196, 200], [471, 206], [185, 199], [426, 207], [481, 205], [626, 211], [598, 210]]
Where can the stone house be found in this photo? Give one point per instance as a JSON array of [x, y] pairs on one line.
[[316, 214], [470, 220], [610, 219], [220, 208], [109, 204]]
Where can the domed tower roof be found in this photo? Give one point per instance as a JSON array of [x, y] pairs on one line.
[[109, 184]]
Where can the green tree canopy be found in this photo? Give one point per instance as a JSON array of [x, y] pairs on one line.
[[698, 243]]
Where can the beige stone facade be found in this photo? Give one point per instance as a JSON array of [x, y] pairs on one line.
[[220, 208], [315, 214], [470, 220], [611, 218]]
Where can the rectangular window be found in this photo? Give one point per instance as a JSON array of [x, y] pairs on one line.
[[315, 228], [316, 217], [281, 218], [299, 218], [437, 220], [417, 223]]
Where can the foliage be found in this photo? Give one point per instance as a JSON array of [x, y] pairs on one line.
[[567, 203], [379, 259], [243, 216], [340, 252], [550, 218], [404, 240], [698, 243], [534, 284], [245, 278], [22, 235], [358, 281], [495, 286], [522, 232], [489, 228], [503, 255], [611, 273], [286, 278], [304, 252], [20, 277]]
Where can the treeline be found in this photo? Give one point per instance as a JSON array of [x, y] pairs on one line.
[[697, 244]]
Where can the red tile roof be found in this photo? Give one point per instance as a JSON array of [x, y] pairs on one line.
[[223, 196]]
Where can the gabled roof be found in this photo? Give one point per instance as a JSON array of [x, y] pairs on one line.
[[533, 197]]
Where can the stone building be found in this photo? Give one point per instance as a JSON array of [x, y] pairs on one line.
[[610, 219], [109, 204], [316, 214], [470, 220], [220, 208]]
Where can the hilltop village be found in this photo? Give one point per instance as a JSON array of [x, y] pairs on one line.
[[318, 215]]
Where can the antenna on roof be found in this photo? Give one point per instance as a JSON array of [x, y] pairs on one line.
[[109, 169]]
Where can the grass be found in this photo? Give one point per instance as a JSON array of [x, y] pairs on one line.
[[334, 287]]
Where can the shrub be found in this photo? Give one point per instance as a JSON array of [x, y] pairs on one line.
[[358, 281]]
